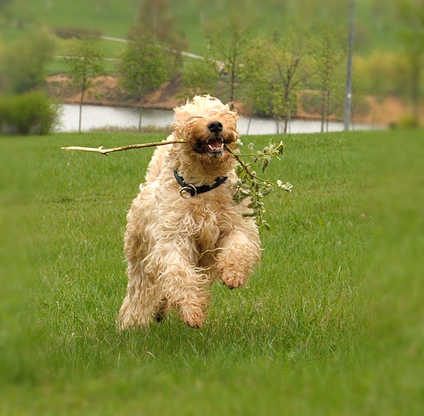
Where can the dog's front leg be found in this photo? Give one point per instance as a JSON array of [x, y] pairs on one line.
[[183, 283], [240, 252]]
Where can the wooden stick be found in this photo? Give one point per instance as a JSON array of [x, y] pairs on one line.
[[119, 149]]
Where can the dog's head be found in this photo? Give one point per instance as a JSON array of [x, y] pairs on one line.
[[209, 127]]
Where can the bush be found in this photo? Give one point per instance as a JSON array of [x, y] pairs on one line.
[[311, 101], [293, 105], [25, 61], [76, 32], [280, 108], [30, 113], [407, 121], [360, 106]]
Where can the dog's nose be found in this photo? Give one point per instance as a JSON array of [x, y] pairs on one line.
[[215, 126]]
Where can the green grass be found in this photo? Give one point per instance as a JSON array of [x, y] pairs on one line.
[[115, 17], [108, 49], [58, 66], [331, 322]]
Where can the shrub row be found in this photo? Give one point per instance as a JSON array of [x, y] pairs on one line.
[[30, 113], [76, 32], [311, 101]]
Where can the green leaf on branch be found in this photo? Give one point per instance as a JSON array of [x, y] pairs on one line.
[[251, 186]]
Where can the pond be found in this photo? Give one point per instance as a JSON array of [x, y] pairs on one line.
[[95, 117]]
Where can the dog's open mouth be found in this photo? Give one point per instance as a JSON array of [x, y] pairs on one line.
[[214, 146]]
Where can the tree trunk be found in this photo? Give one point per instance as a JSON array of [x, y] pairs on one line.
[[322, 110], [289, 121], [415, 88], [248, 126], [327, 110], [287, 106], [232, 87], [348, 94], [80, 109], [139, 118]]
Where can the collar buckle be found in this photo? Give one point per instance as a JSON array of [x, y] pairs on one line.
[[188, 191]]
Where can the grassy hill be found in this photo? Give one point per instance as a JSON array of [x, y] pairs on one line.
[[331, 322], [115, 17]]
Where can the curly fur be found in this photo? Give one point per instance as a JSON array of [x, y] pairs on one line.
[[176, 247]]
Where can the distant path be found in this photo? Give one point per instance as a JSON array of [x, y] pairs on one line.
[[188, 54], [114, 39], [111, 39]]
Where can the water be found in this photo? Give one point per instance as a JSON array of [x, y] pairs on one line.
[[95, 117]]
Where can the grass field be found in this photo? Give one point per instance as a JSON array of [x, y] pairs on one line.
[[115, 17], [331, 323], [375, 29]]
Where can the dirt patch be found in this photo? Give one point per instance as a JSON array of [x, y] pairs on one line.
[[107, 91]]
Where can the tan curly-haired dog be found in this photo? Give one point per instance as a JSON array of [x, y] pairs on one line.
[[184, 229]]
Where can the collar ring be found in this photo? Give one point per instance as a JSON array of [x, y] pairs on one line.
[[188, 191]]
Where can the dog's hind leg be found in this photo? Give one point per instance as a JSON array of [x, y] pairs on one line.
[[183, 284], [138, 308], [162, 310], [142, 298], [143, 295]]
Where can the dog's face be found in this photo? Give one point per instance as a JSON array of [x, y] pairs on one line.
[[209, 128]]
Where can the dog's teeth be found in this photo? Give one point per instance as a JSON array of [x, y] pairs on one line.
[[210, 147]]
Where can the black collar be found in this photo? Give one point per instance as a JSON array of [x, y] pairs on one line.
[[192, 190]]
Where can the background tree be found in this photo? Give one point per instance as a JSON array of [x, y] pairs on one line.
[[24, 65], [228, 41], [143, 68], [283, 106], [290, 68], [3, 4], [410, 17], [257, 80], [360, 88], [155, 21], [86, 63], [200, 76], [328, 56], [386, 77]]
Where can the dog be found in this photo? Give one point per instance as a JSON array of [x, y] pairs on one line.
[[184, 229]]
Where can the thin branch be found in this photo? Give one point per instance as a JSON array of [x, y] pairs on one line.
[[242, 164], [119, 149], [295, 83]]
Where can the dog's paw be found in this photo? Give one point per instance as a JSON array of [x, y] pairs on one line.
[[194, 319], [232, 279]]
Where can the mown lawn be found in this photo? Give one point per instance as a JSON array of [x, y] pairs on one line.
[[115, 17], [331, 323]]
